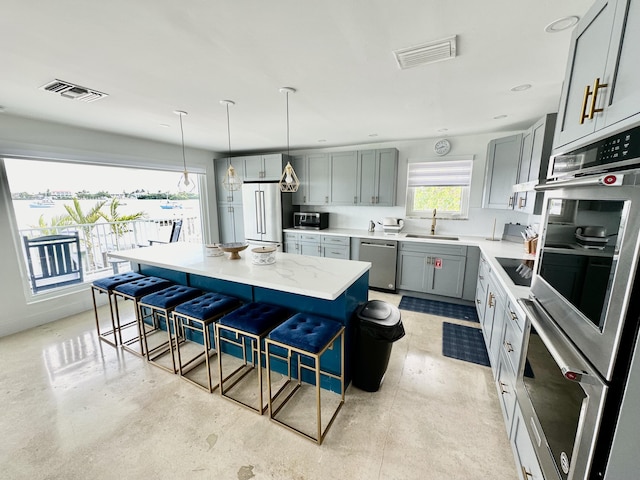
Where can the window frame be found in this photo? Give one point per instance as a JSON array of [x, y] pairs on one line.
[[462, 214]]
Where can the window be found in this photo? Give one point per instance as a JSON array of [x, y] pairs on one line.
[[439, 185], [107, 208]]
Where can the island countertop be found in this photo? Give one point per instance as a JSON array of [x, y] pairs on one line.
[[318, 277]]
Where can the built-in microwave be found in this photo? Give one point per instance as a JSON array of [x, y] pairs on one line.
[[311, 220]]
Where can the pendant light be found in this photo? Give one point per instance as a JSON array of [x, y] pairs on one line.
[[184, 184], [289, 180], [232, 180]]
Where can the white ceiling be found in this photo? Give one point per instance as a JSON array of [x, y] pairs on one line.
[[156, 56]]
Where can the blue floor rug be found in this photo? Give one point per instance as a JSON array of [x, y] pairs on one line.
[[443, 309], [464, 343]]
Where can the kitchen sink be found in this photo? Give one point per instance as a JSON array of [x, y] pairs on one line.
[[432, 237]]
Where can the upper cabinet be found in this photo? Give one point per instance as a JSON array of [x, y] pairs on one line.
[[365, 177], [313, 170], [534, 162], [378, 172], [503, 162], [344, 174], [600, 87], [262, 168]]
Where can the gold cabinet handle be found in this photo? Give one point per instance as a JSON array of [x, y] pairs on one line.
[[480, 277], [521, 202], [585, 99], [508, 346], [514, 317], [526, 474], [478, 301], [502, 390], [490, 302], [510, 204], [596, 86]]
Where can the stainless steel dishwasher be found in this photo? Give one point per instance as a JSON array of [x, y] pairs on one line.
[[382, 255]]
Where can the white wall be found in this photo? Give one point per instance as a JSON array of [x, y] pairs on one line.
[[25, 137], [480, 220]]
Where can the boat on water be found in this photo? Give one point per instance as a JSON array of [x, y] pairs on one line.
[[169, 205], [43, 203]]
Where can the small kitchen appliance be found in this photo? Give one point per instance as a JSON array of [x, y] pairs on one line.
[[311, 220]]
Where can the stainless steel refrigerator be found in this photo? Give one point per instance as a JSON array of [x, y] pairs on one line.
[[266, 212]]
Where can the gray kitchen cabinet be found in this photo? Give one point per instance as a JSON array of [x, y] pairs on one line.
[[600, 86], [335, 246], [377, 177], [537, 143], [262, 168], [316, 245], [523, 449], [493, 322], [482, 289], [223, 195], [313, 171], [503, 161], [230, 223], [433, 269], [506, 385], [344, 174]]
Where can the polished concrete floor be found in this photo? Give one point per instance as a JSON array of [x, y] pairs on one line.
[[75, 408]]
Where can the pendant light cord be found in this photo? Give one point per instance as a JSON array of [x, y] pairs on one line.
[[184, 159], [228, 136], [287, 123]]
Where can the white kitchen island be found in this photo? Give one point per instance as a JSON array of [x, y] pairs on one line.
[[328, 287]]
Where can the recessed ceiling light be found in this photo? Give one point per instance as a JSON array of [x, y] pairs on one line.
[[322, 140], [521, 88], [441, 130], [164, 125], [373, 134], [498, 117], [561, 24]]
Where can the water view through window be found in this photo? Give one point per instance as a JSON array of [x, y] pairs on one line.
[[109, 208]]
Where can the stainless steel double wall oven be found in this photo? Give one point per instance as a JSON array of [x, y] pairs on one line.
[[584, 306]]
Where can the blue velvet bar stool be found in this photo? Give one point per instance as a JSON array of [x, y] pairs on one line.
[[307, 337], [249, 323], [106, 286], [197, 317], [159, 306], [134, 291]]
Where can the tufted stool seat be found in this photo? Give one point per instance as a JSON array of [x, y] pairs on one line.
[[195, 318], [106, 286], [159, 306], [249, 323], [135, 290], [307, 337]]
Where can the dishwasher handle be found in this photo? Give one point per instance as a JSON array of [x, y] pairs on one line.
[[381, 245]]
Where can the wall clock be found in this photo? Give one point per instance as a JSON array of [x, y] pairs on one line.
[[442, 147]]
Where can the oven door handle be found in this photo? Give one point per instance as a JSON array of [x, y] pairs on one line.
[[571, 363], [609, 180]]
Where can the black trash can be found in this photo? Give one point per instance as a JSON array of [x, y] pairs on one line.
[[377, 325]]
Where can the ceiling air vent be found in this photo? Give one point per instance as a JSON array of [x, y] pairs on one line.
[[426, 53], [75, 92]]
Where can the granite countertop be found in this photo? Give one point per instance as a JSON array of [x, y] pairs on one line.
[[318, 277]]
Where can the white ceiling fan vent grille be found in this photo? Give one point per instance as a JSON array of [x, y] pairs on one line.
[[74, 92], [431, 52]]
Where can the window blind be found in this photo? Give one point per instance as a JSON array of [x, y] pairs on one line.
[[443, 174]]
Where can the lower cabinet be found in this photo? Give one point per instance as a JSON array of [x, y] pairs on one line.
[[430, 268], [525, 455], [316, 245]]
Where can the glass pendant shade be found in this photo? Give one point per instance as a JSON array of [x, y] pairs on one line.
[[289, 181], [232, 180]]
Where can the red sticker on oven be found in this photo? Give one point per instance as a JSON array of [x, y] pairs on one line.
[[437, 263], [612, 180]]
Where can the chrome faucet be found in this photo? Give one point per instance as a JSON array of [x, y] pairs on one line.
[[433, 223]]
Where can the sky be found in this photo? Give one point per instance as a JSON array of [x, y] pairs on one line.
[[38, 176]]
